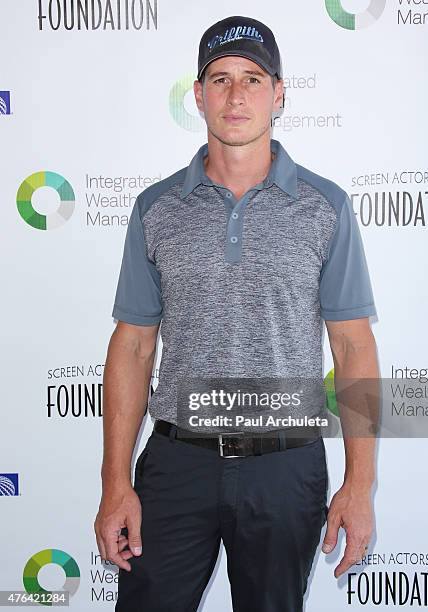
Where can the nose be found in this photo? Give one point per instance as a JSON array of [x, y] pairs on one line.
[[235, 94]]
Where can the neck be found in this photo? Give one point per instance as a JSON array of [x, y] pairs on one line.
[[238, 167]]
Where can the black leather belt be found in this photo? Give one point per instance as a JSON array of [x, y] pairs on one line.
[[240, 444]]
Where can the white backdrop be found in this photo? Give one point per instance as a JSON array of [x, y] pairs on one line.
[[95, 105]]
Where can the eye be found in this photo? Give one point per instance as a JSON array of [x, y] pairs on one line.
[[221, 79]]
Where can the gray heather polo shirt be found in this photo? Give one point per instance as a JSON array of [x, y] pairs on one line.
[[241, 286]]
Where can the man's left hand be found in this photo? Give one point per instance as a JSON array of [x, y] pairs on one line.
[[350, 508]]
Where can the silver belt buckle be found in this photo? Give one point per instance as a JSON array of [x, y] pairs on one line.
[[221, 443]]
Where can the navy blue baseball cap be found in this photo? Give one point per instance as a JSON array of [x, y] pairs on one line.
[[240, 36]]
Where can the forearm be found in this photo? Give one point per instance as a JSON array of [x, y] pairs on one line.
[[356, 375], [127, 376]]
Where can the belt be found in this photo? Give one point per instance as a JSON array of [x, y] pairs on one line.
[[240, 444]]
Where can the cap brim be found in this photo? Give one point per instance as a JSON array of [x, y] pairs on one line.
[[248, 54]]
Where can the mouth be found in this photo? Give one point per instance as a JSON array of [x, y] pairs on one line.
[[235, 119]]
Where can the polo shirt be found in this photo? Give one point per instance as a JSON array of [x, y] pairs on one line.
[[241, 287]]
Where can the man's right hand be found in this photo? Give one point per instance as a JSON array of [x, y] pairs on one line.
[[120, 509]]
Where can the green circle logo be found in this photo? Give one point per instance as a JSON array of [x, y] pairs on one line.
[[355, 21], [42, 558], [176, 105], [330, 393], [54, 219]]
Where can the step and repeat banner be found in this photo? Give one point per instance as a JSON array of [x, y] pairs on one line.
[[96, 104]]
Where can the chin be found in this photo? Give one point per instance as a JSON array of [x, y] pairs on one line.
[[234, 136]]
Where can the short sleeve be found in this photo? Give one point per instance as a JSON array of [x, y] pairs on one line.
[[345, 287], [138, 294]]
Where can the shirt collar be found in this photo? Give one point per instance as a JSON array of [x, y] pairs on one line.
[[282, 171]]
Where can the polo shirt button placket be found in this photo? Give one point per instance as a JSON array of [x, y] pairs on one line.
[[229, 200], [234, 229]]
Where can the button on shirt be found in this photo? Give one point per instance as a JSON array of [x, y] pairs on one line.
[[241, 286]]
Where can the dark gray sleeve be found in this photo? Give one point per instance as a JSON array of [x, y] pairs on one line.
[[138, 294], [345, 288]]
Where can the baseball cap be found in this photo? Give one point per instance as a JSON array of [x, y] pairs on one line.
[[242, 36]]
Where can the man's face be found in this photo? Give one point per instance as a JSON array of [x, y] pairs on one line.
[[237, 99]]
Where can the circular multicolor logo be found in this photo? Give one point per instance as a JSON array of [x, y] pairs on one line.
[[54, 219], [355, 21], [42, 558], [330, 392], [176, 105]]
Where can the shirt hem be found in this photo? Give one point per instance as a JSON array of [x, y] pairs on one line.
[[350, 313], [127, 317]]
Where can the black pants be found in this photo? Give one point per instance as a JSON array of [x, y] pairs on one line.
[[267, 509]]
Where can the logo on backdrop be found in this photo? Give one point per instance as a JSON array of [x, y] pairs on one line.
[[330, 393], [44, 557], [354, 21], [390, 199], [9, 484], [99, 15], [394, 578], [181, 116], [75, 390], [106, 201], [406, 14], [54, 219], [5, 103], [103, 577]]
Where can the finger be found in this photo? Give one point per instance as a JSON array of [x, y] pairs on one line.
[[126, 554], [100, 542], [352, 554], [134, 534], [122, 543], [345, 564], [330, 538], [112, 549], [101, 547]]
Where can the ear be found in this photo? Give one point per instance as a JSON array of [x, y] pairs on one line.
[[278, 94], [197, 90]]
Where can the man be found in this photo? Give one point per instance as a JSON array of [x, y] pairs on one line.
[[240, 255]]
